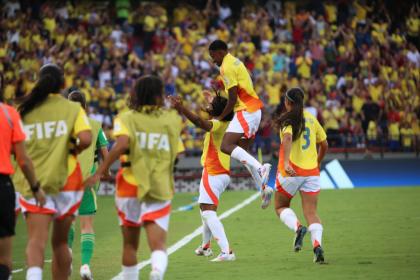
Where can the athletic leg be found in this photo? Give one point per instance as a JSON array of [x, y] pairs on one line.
[[87, 238], [131, 238], [309, 205], [61, 255], [37, 227], [5, 257], [156, 237], [287, 215]]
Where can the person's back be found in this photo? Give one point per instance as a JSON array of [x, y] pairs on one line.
[[303, 154], [49, 131], [154, 140]]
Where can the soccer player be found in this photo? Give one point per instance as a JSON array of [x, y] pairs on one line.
[[215, 178], [88, 160], [243, 100], [12, 139], [147, 140], [56, 130], [298, 169]]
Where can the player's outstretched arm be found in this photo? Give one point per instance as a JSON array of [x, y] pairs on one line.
[[121, 145], [176, 103]]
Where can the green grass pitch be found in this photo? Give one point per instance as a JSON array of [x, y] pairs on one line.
[[368, 234]]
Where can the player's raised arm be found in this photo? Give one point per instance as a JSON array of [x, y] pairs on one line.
[[176, 103]]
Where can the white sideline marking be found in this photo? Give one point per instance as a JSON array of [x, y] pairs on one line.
[[186, 239], [21, 269]]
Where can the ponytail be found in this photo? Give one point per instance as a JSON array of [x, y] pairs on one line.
[[51, 80], [295, 116]]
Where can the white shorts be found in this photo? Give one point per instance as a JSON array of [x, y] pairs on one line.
[[290, 185], [211, 187], [246, 123], [61, 205], [133, 213]]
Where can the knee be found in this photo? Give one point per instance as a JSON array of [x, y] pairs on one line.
[[226, 148]]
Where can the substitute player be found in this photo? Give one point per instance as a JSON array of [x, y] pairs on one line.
[[88, 160], [56, 130], [215, 178], [298, 169], [244, 101], [147, 140]]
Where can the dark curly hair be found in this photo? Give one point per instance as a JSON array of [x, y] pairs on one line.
[[148, 91]]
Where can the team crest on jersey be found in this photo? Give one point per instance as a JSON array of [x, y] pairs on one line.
[[45, 130], [153, 141]]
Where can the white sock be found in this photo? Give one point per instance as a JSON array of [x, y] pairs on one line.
[[288, 217], [217, 229], [159, 261], [130, 272], [243, 156], [34, 273], [206, 233], [316, 234]]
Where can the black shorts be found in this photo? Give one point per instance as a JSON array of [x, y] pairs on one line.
[[7, 207]]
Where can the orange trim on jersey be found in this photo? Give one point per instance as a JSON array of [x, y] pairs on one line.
[[125, 222], [157, 214], [244, 124], [71, 211], [75, 180], [208, 189], [212, 163], [304, 172], [124, 188], [300, 172], [30, 208], [281, 190], [252, 103]]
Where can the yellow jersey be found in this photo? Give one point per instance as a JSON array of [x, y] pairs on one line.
[[213, 160], [234, 73], [303, 154]]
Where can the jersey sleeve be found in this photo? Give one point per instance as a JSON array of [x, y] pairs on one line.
[[119, 128], [17, 133], [82, 123], [320, 132], [229, 78]]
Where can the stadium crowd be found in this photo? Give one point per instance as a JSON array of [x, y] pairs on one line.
[[358, 61]]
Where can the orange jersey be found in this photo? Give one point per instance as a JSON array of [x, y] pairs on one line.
[[303, 154], [234, 73], [213, 160]]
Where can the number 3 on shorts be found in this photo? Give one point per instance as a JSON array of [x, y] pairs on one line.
[[306, 136]]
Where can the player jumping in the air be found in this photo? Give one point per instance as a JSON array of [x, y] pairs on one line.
[[244, 101], [215, 178], [298, 169]]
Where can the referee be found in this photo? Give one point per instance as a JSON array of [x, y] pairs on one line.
[[11, 141]]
